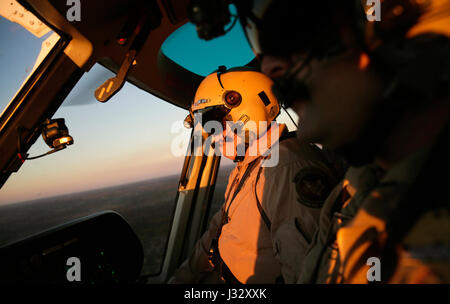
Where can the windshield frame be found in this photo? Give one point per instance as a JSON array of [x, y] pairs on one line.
[[36, 75], [34, 78]]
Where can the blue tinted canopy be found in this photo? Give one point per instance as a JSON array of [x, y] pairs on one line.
[[203, 57]]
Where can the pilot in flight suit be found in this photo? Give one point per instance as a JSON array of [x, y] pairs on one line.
[[274, 194]]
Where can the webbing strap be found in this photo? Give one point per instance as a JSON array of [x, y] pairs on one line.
[[246, 174], [219, 263], [258, 204], [215, 258], [428, 192], [284, 136]]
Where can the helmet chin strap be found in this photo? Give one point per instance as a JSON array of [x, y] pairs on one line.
[[246, 144], [240, 158]]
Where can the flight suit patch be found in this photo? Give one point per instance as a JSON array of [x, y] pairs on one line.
[[313, 186]]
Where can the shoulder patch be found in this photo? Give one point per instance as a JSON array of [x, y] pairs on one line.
[[313, 186]]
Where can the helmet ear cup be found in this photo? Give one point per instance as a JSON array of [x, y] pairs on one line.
[[232, 98]]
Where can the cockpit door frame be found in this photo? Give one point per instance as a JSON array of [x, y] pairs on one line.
[[193, 202]]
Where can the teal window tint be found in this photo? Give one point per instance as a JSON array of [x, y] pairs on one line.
[[203, 57]]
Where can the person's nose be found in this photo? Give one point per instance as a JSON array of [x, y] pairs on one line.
[[275, 67]]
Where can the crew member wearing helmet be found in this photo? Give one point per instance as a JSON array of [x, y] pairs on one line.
[[372, 79], [274, 193]]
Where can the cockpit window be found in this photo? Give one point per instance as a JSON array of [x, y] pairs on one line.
[[26, 42], [127, 157], [202, 57]]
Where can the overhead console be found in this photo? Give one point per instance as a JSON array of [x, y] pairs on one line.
[[97, 36]]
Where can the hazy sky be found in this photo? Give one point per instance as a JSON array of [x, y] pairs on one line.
[[124, 140], [127, 139]]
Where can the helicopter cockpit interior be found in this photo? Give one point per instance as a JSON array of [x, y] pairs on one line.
[[103, 53], [134, 43]]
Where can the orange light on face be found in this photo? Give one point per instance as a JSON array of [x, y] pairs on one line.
[[398, 10], [345, 183], [376, 194], [364, 61]]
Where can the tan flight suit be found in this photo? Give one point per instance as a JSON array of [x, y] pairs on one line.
[[421, 256], [342, 253], [258, 250], [339, 208]]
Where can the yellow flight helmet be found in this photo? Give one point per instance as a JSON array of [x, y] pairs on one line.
[[239, 95]]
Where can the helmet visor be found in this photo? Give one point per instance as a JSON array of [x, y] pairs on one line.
[[211, 118]]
